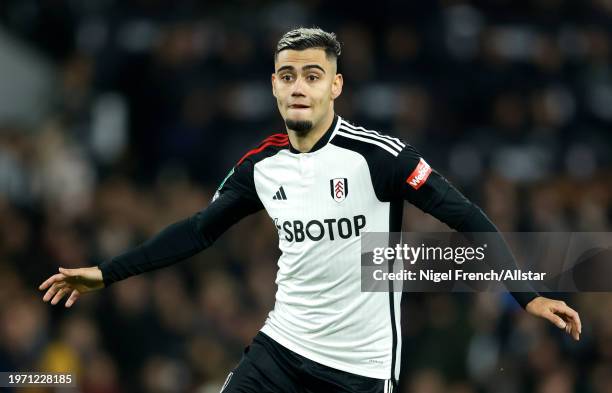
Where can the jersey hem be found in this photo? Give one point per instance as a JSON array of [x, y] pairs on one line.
[[270, 332]]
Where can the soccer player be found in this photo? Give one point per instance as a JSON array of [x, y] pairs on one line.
[[323, 183]]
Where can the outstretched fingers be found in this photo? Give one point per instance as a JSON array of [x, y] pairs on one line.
[[51, 280], [73, 298], [59, 295], [51, 292]]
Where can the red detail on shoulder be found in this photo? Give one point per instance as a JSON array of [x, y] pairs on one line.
[[419, 176], [275, 137], [272, 140]]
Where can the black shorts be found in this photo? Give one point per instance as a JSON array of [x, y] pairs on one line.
[[268, 367]]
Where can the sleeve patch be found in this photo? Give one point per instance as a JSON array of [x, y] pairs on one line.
[[419, 176]]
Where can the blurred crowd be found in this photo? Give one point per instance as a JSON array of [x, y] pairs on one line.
[[155, 100]]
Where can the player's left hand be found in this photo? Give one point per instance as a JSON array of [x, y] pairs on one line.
[[557, 312]]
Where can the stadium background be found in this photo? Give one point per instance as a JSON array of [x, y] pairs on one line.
[[120, 117]]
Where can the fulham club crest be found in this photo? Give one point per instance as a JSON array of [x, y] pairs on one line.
[[339, 189]]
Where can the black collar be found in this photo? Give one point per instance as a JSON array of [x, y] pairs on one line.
[[322, 141]]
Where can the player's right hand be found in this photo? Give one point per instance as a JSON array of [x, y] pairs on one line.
[[71, 281]]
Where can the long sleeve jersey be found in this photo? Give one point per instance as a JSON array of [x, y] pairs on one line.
[[352, 181]]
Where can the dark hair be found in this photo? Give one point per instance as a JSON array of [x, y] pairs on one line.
[[305, 38]]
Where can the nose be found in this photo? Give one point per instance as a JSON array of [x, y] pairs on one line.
[[298, 88]]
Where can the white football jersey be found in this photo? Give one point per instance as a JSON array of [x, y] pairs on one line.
[[353, 180]]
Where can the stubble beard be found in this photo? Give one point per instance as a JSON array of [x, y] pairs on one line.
[[301, 127]]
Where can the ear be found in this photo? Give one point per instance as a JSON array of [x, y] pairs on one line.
[[337, 86], [273, 80]]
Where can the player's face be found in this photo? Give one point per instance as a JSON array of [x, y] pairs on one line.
[[305, 84]]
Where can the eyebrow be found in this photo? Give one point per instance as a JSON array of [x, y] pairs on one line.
[[306, 67]]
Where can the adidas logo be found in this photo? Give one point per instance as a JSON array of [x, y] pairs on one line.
[[280, 195]]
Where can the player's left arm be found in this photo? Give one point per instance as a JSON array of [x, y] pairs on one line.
[[415, 181]]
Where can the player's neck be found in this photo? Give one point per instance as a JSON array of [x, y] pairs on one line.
[[305, 142]]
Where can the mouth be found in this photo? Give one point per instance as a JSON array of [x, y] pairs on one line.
[[298, 106]]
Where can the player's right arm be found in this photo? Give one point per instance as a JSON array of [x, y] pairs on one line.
[[236, 198]]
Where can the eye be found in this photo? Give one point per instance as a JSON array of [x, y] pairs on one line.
[[286, 77], [312, 77]]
